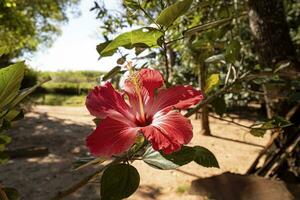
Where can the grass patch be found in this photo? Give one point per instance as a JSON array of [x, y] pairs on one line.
[[67, 88], [59, 100], [182, 189]]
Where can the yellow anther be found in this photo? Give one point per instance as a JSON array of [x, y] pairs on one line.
[[135, 80]]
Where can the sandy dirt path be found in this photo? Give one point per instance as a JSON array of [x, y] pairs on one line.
[[63, 130]]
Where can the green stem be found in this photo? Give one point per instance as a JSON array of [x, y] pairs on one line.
[[147, 15], [84, 181]]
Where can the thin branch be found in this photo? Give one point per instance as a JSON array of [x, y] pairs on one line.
[[175, 40], [227, 75], [289, 75], [166, 63], [230, 121], [86, 179], [3, 195], [215, 95], [75, 187], [292, 112], [4, 113], [267, 101], [82, 182], [234, 72], [147, 15], [282, 158], [266, 148], [208, 100]]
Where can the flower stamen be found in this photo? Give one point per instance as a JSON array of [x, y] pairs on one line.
[[135, 80]]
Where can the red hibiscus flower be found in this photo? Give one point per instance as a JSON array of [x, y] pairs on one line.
[[150, 110]]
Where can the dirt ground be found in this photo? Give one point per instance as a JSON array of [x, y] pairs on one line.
[[63, 130]]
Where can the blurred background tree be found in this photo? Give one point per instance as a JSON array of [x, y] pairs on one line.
[[26, 25]]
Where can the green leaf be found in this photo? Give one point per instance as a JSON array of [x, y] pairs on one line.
[[10, 82], [261, 131], [212, 82], [156, 160], [205, 157], [5, 125], [149, 56], [119, 181], [139, 50], [5, 139], [281, 122], [215, 58], [14, 115], [232, 51], [25, 92], [275, 122], [182, 157], [100, 47], [200, 28], [258, 132], [131, 4], [3, 158], [171, 13], [219, 105], [143, 37], [12, 193], [121, 60], [114, 71], [171, 161], [4, 50]]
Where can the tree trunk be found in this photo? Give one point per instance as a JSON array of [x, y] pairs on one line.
[[270, 32], [273, 44], [205, 111], [172, 60]]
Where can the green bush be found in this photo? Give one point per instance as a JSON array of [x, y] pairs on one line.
[[59, 100], [67, 88], [30, 78], [63, 82], [74, 76]]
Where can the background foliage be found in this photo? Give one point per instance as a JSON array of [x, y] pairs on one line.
[[26, 25]]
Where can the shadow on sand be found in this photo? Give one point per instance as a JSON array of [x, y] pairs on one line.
[[40, 178]]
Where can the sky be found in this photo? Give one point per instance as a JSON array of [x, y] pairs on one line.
[[75, 48]]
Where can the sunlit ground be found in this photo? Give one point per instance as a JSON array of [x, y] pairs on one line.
[[63, 129]]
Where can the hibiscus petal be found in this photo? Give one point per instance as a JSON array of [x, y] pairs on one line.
[[105, 100], [111, 137], [180, 97], [168, 132], [151, 79]]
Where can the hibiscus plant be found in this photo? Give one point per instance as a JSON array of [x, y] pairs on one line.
[[141, 122], [147, 120], [144, 121]]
